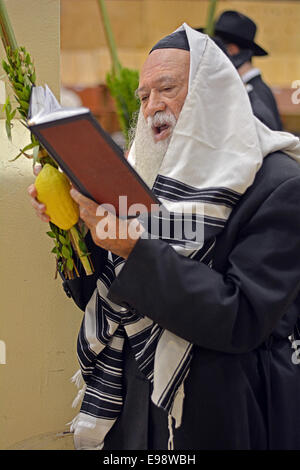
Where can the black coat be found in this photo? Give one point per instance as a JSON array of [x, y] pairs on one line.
[[243, 390], [261, 111], [265, 94]]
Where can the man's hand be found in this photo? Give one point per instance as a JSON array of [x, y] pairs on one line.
[[39, 208], [108, 231]]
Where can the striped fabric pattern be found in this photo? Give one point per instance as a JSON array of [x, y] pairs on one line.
[[105, 324], [172, 190]]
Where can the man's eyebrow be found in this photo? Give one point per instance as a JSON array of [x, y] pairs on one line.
[[161, 80]]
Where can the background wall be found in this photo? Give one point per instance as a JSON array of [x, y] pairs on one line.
[[38, 323], [138, 24]]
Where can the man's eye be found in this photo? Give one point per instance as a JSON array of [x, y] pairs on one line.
[[144, 98]]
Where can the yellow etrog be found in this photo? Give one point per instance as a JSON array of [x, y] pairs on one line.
[[53, 189]]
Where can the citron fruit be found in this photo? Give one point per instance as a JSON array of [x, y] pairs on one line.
[[53, 190]]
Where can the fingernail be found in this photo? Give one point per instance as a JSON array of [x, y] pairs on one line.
[[73, 192]]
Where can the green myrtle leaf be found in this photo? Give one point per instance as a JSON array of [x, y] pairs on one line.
[[33, 78], [51, 234], [20, 77], [5, 66], [66, 252], [54, 228], [70, 264], [62, 240], [18, 86], [22, 113], [24, 105]]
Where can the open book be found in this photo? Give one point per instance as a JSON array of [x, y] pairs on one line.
[[87, 154]]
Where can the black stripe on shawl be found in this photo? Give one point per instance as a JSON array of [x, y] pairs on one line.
[[174, 190]]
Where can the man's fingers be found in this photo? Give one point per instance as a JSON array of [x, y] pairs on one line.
[[45, 217], [37, 205], [89, 219], [32, 190], [83, 201], [36, 169]]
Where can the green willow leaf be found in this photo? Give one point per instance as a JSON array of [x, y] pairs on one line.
[[8, 129], [82, 246]]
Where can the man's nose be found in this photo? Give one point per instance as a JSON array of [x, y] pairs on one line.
[[155, 103]]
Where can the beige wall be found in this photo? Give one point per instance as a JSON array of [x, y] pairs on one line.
[[138, 24], [38, 323]]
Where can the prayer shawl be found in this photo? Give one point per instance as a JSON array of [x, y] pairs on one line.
[[216, 149]]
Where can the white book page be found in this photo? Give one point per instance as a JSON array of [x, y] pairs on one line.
[[44, 107], [58, 114]]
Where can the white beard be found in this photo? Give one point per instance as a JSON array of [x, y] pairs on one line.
[[148, 153]]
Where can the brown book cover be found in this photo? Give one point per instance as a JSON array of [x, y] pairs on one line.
[[93, 162]]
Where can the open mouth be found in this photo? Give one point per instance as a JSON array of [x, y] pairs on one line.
[[161, 131]]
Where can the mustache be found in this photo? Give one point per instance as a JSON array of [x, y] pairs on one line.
[[161, 118]]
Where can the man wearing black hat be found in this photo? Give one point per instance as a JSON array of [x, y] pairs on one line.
[[237, 32], [259, 108]]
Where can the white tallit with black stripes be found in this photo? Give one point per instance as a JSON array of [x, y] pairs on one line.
[[216, 149]]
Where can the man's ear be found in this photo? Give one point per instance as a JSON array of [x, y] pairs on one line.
[[232, 48]]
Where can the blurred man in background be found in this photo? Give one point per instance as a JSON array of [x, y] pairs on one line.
[[237, 33]]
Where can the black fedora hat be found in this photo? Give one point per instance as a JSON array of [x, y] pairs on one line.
[[239, 29]]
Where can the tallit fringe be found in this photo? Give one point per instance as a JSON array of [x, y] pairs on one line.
[[177, 407], [77, 379], [79, 397], [176, 413], [73, 423], [79, 382], [171, 435]]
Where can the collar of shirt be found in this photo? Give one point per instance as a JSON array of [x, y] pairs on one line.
[[250, 74]]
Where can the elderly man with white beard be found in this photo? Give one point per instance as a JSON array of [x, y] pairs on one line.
[[188, 346]]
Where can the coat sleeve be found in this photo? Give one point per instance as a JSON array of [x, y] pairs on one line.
[[82, 288], [235, 311]]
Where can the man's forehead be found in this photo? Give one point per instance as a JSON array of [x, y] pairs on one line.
[[158, 81], [165, 65]]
